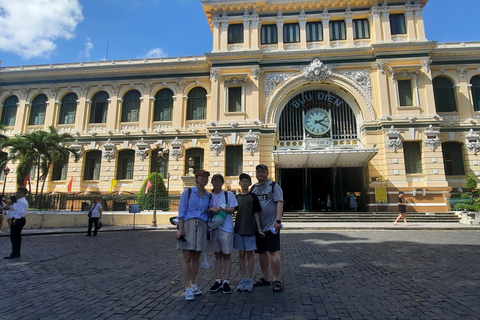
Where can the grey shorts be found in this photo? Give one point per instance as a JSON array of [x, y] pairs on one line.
[[222, 242], [196, 235], [244, 243]]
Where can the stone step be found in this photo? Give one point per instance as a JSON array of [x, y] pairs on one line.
[[366, 217]]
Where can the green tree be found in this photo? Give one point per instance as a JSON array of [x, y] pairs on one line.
[[471, 183], [146, 200], [40, 150]]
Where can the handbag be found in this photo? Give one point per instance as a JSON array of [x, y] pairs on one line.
[[216, 220], [90, 214]]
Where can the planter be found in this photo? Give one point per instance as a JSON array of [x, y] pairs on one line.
[[470, 217]]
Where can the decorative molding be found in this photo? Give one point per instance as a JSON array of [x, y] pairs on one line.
[[142, 150], [426, 65], [361, 77], [317, 71], [216, 144], [214, 75], [393, 140], [109, 152], [472, 142], [251, 142], [176, 150], [77, 148], [432, 139], [273, 80], [255, 73]]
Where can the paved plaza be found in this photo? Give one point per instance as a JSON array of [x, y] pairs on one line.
[[327, 274]]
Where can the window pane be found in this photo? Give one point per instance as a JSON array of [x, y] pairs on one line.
[[291, 33], [196, 156], [337, 30], [92, 165], [413, 158], [163, 105], [59, 172], [197, 104], [453, 158], [233, 160], [37, 112], [361, 29], [476, 92], [269, 34], [98, 109], [159, 166], [68, 109], [314, 31], [235, 99], [397, 24], [126, 160], [9, 111], [405, 92], [131, 106], [235, 33], [444, 95]]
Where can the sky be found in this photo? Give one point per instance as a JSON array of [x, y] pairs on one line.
[[35, 32]]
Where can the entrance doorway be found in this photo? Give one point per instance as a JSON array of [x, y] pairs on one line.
[[306, 189]]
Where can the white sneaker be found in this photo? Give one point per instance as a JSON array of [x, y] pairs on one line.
[[241, 285], [189, 294], [248, 285], [196, 291]]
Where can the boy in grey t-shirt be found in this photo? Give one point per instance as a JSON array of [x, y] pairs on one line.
[[270, 195]]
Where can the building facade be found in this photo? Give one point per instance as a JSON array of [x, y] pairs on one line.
[[334, 96]]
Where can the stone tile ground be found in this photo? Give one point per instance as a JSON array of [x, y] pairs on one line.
[[326, 274]]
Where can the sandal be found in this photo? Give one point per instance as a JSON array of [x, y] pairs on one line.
[[277, 286], [261, 283]]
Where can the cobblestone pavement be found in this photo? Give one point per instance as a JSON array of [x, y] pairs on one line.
[[326, 274]]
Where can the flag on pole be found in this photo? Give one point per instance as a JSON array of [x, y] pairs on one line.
[[114, 182], [27, 177], [149, 184], [69, 187]]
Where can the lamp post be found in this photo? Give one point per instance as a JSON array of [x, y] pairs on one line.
[[191, 162], [6, 171], [161, 156]]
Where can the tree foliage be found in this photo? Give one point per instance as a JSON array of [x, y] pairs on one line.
[[40, 150], [146, 200]]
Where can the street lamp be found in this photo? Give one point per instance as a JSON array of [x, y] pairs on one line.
[[6, 171], [161, 156], [191, 162]]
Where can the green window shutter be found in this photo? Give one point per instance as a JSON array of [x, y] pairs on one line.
[[413, 157]]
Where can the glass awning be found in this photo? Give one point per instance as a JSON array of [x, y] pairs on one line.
[[323, 158]]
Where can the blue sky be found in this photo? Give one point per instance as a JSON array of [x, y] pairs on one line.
[[64, 31]]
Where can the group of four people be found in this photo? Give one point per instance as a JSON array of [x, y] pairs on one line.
[[257, 227]]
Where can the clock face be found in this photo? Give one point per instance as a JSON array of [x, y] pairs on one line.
[[317, 121]]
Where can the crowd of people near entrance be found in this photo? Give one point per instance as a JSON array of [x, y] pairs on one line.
[[205, 224]]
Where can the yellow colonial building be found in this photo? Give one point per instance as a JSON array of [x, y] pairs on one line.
[[334, 96]]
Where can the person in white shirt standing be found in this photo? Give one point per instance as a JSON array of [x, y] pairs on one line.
[[18, 222], [94, 215]]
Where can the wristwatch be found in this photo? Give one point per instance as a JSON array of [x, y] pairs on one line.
[[279, 221]]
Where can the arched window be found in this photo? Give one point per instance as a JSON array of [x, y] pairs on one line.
[[131, 106], [453, 159], [475, 82], [126, 161], [197, 104], [37, 112], [93, 160], [98, 109], [159, 165], [194, 159], [444, 95], [9, 111], [68, 109], [163, 105]]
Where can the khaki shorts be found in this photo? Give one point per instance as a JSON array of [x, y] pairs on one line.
[[196, 235], [222, 242]]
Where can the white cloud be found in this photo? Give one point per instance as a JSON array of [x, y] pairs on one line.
[[85, 54], [155, 53], [29, 28]]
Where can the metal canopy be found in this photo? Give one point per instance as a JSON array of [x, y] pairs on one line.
[[323, 158]]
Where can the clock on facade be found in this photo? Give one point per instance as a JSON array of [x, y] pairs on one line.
[[317, 121]]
